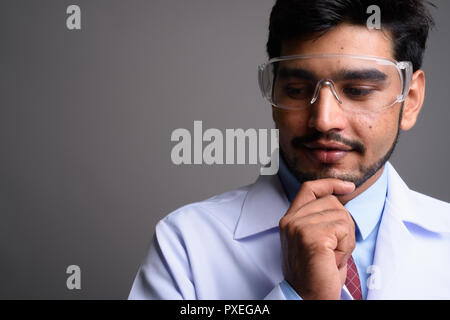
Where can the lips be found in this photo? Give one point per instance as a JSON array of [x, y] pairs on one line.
[[327, 152]]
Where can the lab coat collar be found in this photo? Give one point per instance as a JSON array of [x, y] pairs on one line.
[[266, 203], [411, 207], [264, 206]]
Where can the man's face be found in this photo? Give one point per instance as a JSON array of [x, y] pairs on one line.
[[369, 137]]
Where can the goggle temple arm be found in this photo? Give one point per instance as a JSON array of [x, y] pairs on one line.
[[406, 72]]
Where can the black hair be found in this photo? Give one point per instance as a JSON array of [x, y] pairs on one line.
[[408, 21]]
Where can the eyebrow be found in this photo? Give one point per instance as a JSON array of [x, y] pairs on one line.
[[365, 74], [296, 73]]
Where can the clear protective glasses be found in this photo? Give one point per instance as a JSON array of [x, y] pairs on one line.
[[358, 83]]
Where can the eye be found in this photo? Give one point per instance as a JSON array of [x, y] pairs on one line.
[[297, 91], [358, 92]]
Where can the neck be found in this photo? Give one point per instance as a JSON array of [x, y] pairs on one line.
[[346, 198]]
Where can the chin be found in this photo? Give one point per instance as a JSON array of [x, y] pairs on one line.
[[344, 171], [332, 172]]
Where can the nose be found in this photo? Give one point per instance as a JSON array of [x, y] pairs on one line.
[[326, 110]]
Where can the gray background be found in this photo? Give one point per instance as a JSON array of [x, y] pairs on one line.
[[86, 118]]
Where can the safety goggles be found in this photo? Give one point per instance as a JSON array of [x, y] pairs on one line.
[[358, 83]]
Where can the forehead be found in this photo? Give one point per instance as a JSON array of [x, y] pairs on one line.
[[344, 39]]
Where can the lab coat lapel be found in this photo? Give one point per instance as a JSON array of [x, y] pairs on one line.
[[256, 229], [263, 207], [394, 260]]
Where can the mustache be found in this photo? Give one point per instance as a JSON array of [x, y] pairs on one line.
[[298, 142]]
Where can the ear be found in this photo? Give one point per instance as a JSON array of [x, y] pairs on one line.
[[414, 101], [275, 115]]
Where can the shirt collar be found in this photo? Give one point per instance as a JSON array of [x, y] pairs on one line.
[[366, 208]]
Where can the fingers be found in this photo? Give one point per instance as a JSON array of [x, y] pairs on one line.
[[325, 203], [331, 229], [317, 238], [312, 190], [342, 239], [345, 246]]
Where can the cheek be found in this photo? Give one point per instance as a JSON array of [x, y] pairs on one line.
[[377, 132], [290, 124]]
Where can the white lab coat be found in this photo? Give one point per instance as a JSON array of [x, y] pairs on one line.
[[228, 247]]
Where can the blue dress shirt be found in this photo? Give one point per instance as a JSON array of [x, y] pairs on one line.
[[366, 210]]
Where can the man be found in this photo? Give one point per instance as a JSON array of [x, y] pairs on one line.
[[337, 222]]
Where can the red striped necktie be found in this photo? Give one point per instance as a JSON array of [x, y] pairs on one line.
[[352, 281]]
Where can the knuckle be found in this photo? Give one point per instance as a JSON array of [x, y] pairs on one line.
[[301, 233], [290, 228], [338, 225], [332, 198], [309, 185], [319, 215], [345, 226], [298, 230], [336, 203], [332, 202], [282, 224], [343, 214], [319, 245]]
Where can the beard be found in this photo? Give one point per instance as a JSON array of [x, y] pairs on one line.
[[365, 172]]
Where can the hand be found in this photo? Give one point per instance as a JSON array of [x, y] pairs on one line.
[[317, 238]]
